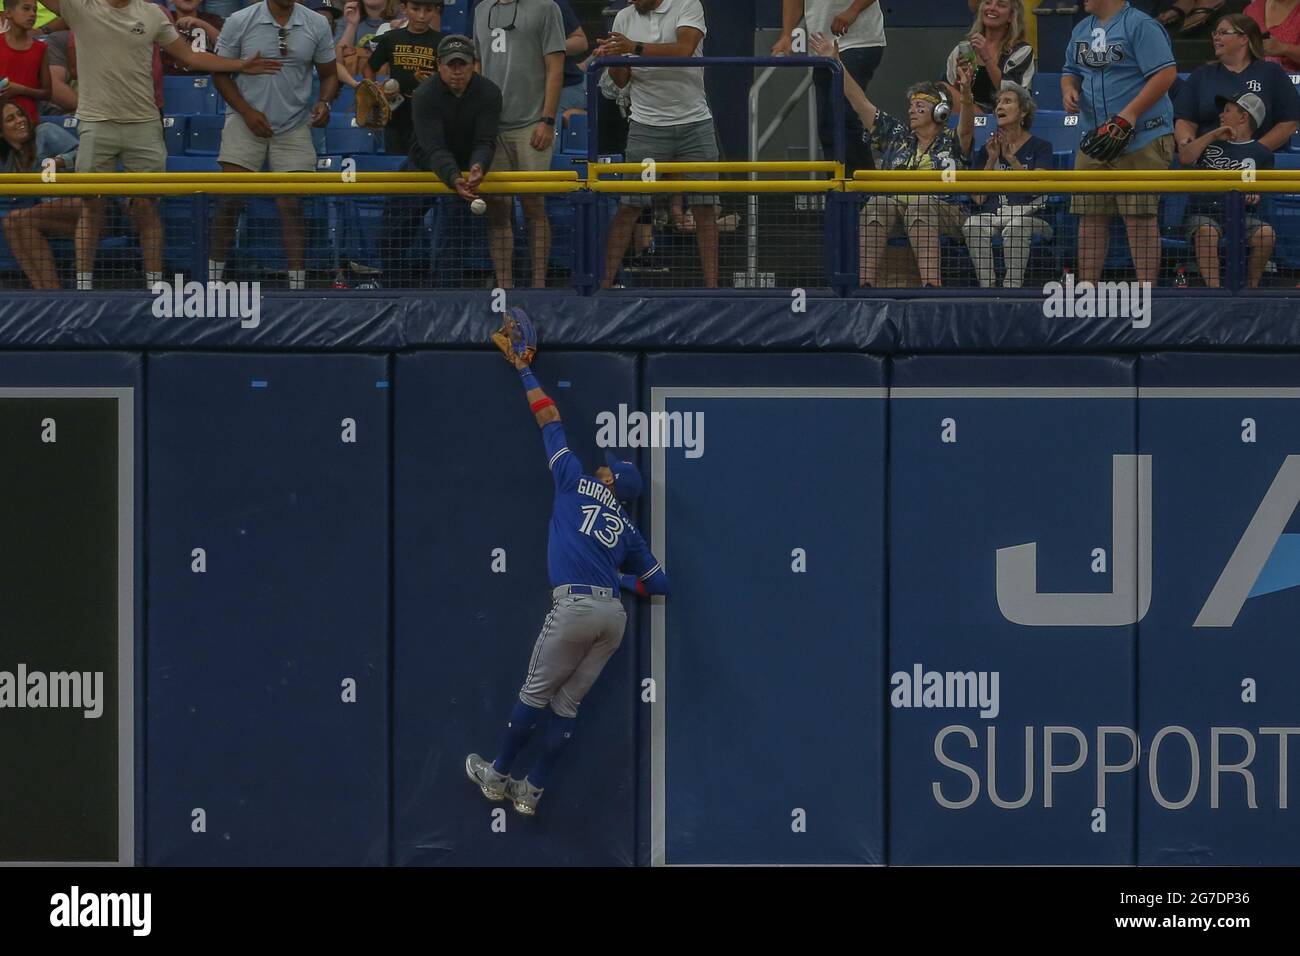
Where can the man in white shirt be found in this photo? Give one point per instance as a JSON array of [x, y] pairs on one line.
[[119, 119], [670, 122], [859, 26]]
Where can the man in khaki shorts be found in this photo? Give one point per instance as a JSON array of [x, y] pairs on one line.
[[119, 121], [1118, 70], [521, 49], [269, 118]]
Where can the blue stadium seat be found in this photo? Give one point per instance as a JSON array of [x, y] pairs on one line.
[[1295, 142], [190, 94], [341, 119], [193, 164], [1046, 90], [203, 135], [343, 103], [1058, 128], [379, 163], [1287, 160], [174, 134], [348, 140], [329, 164], [67, 122], [573, 139], [456, 17]]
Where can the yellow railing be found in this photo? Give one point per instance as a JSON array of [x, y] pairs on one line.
[[639, 179]]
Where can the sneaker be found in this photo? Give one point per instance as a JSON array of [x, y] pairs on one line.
[[524, 796], [492, 783]]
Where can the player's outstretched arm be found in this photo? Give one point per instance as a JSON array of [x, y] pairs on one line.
[[542, 405], [655, 581]]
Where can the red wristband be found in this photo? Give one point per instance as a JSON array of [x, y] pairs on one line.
[[541, 403]]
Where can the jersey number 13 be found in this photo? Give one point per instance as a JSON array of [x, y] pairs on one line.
[[608, 535]]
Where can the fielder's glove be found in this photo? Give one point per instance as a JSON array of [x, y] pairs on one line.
[[373, 111], [517, 337], [1108, 141]]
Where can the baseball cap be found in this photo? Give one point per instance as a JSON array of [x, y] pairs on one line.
[[1249, 102], [323, 6], [453, 47], [627, 480]]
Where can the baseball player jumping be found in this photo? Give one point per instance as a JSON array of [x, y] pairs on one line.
[[590, 539]]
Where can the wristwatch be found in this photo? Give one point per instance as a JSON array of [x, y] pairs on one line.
[[548, 120], [639, 49]]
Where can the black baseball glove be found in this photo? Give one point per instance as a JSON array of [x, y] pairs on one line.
[[1108, 141]]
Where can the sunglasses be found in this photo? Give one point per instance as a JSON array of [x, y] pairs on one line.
[[1227, 33], [284, 41], [514, 15]]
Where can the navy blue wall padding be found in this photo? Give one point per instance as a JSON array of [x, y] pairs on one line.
[[1021, 470], [1208, 483], [247, 660], [352, 321], [471, 477], [104, 370], [773, 681]]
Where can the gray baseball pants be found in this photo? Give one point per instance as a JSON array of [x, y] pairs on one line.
[[579, 636]]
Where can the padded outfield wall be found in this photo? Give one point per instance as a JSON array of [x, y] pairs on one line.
[[952, 582]]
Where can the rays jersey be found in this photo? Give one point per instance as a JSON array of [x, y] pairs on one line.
[[1113, 61]]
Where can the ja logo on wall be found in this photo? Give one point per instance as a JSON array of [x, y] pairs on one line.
[[1264, 560]]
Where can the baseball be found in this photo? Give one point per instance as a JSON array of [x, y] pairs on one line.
[[478, 207], [391, 87]]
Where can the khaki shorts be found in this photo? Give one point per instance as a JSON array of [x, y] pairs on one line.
[[138, 146], [1157, 154], [515, 152], [1192, 223], [289, 152], [896, 213]]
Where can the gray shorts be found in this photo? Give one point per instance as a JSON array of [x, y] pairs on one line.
[[138, 146], [1192, 223], [687, 143], [289, 152], [578, 637]]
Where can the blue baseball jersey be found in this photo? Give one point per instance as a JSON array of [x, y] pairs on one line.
[[1113, 60], [591, 536]]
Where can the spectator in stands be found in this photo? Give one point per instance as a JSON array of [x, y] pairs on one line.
[[118, 109], [1118, 69], [923, 142], [61, 55], [1231, 145], [192, 22], [356, 34], [521, 49], [25, 148], [1014, 217], [1279, 21], [22, 59], [1188, 15], [573, 96], [860, 27], [410, 56], [1241, 68], [268, 118], [455, 115], [996, 50], [670, 117]]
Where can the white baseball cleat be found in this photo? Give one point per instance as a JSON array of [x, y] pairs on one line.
[[524, 796], [492, 783]]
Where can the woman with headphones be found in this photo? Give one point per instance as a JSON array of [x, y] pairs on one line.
[[923, 141]]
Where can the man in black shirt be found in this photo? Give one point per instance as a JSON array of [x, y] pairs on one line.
[[454, 117], [410, 55]]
